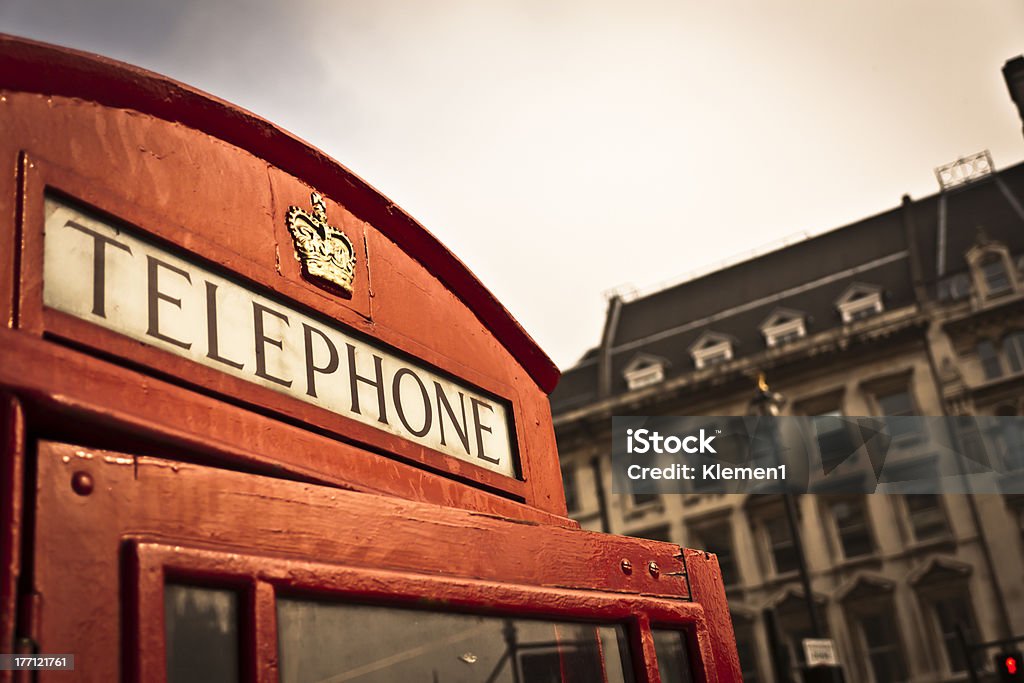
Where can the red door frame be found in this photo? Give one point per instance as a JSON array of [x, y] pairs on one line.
[[110, 527]]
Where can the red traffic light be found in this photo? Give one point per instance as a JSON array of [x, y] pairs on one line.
[[1010, 667]]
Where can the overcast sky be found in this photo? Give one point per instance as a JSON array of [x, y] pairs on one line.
[[562, 149]]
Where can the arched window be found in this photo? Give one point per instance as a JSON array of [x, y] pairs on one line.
[[992, 269], [995, 274]]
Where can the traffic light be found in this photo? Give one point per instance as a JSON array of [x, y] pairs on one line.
[[1010, 666]]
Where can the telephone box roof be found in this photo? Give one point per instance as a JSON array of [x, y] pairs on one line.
[[31, 66]]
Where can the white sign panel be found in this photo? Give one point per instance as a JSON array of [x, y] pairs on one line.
[[820, 652], [97, 272]]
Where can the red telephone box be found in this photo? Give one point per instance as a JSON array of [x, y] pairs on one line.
[[258, 424]]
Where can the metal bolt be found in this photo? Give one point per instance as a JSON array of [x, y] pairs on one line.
[[82, 483], [627, 567], [653, 568]]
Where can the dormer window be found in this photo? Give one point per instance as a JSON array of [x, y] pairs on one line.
[[783, 326], [992, 271], [860, 301], [644, 370], [710, 349], [996, 279]]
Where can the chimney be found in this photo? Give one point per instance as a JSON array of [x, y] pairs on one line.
[[1013, 72]]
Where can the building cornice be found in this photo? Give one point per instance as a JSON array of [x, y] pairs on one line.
[[835, 340]]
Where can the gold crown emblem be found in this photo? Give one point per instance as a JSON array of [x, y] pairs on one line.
[[326, 253]]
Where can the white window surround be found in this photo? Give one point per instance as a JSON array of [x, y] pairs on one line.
[[711, 348], [783, 325], [644, 371], [981, 258], [858, 301], [719, 353]]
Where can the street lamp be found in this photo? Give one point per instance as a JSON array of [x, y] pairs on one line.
[[768, 403]]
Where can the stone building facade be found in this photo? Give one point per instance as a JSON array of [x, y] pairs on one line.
[[918, 310]]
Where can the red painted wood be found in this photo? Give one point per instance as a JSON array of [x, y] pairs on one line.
[[10, 181], [351, 527], [264, 614], [33, 67], [161, 205], [707, 588], [646, 664], [12, 449], [83, 398], [233, 527], [405, 588]]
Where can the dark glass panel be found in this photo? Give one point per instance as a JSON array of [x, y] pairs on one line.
[[673, 656], [201, 626]]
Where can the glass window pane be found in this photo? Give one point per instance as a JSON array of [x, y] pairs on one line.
[[883, 649], [644, 498], [927, 517], [572, 502], [330, 641], [990, 364], [897, 403], [782, 547], [747, 652], [717, 539], [1013, 347], [996, 279], [658, 533], [852, 525], [898, 406], [950, 611], [202, 634], [834, 441], [673, 656]]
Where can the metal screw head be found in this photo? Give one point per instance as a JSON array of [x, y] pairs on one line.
[[82, 483], [627, 567], [653, 568]]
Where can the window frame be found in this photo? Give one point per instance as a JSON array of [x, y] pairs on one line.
[[702, 529], [856, 614], [988, 358], [1012, 348], [961, 595], [982, 255], [570, 483], [261, 580], [988, 274], [772, 517], [713, 354], [711, 348], [783, 326], [859, 302], [200, 524], [784, 333], [645, 376], [942, 511], [893, 388], [837, 531]]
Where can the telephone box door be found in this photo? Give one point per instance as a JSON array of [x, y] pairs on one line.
[[156, 570]]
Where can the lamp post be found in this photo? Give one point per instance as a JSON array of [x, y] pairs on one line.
[[768, 403]]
